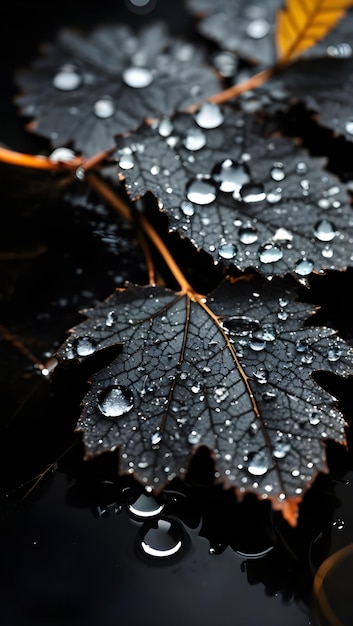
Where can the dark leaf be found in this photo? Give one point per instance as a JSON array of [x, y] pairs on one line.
[[231, 372], [246, 197], [246, 28], [86, 88]]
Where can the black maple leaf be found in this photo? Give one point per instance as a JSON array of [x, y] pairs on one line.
[[245, 196], [232, 371]]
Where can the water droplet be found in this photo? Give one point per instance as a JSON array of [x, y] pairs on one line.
[[144, 506], [277, 172], [349, 127], [281, 448], [270, 253], [282, 234], [261, 375], [240, 325], [187, 208], [252, 192], [194, 437], [314, 418], [303, 267], [209, 116], [258, 463], [301, 168], [104, 107], [274, 196], [126, 159], [230, 176], [339, 523], [111, 318], [84, 346], [226, 63], [324, 230], [194, 139], [156, 438], [257, 29], [165, 127], [162, 539], [227, 251], [257, 343], [334, 353], [68, 78], [248, 234], [221, 393], [137, 77], [201, 192], [340, 51], [301, 345], [115, 401], [64, 155]]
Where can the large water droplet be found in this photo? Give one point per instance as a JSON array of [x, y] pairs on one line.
[[252, 192], [270, 253], [187, 208], [201, 191], [261, 375], [248, 234], [163, 539], [274, 196], [194, 139], [226, 63], [240, 325], [165, 127], [334, 353], [281, 448], [230, 176], [209, 116], [137, 77], [304, 267], [104, 107], [115, 401], [84, 346], [258, 463], [227, 251], [324, 230], [144, 506], [68, 78]]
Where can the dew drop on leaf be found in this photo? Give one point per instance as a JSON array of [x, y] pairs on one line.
[[194, 437], [227, 251], [126, 159], [115, 401], [258, 463], [194, 139], [324, 230], [68, 78], [209, 115], [248, 234], [165, 127], [137, 77], [281, 449], [261, 375], [165, 539], [274, 196], [251, 192], [226, 63], [187, 208], [156, 438], [240, 325], [270, 253], [340, 51], [334, 353], [144, 506], [84, 346], [201, 192], [304, 267], [104, 107], [230, 176], [257, 29], [349, 127], [277, 172]]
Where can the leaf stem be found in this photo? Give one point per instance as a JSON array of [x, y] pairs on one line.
[[120, 205], [35, 161], [227, 94]]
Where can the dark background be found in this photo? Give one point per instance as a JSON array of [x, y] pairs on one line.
[[68, 546]]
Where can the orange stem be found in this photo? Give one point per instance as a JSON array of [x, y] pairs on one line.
[[36, 161]]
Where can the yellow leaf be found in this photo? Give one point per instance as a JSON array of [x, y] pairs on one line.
[[302, 23]]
